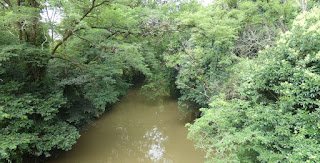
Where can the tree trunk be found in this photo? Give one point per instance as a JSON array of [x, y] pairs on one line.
[[283, 26], [35, 24], [19, 23], [304, 6], [282, 23]]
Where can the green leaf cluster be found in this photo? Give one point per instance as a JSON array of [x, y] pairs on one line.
[[275, 117]]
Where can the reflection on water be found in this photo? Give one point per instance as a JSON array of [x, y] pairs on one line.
[[135, 131], [156, 147]]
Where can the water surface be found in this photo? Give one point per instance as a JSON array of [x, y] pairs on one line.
[[135, 131]]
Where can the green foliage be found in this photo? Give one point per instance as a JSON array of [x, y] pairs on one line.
[[208, 41], [200, 52], [56, 77], [262, 22], [28, 124], [51, 88], [275, 118]]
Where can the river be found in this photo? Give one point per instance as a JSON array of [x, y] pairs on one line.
[[133, 131]]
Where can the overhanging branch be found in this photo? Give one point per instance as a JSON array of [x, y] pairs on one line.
[[70, 32]]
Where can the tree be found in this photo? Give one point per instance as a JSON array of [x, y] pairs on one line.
[[51, 88], [275, 117]]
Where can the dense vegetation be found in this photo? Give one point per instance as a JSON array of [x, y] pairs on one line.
[[253, 66], [272, 112]]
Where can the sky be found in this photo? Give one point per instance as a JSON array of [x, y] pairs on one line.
[[206, 2]]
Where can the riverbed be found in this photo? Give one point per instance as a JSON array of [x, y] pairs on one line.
[[135, 131]]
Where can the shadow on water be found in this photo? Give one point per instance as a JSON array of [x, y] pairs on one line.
[[135, 130]]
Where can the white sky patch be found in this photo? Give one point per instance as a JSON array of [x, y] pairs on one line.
[[52, 16], [206, 2]]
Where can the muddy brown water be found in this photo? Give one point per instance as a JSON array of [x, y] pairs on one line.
[[135, 131]]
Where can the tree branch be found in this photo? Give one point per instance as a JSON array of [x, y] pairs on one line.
[[85, 15], [92, 7], [283, 26], [113, 33], [106, 28], [70, 32], [4, 6], [8, 2], [304, 5], [61, 42]]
